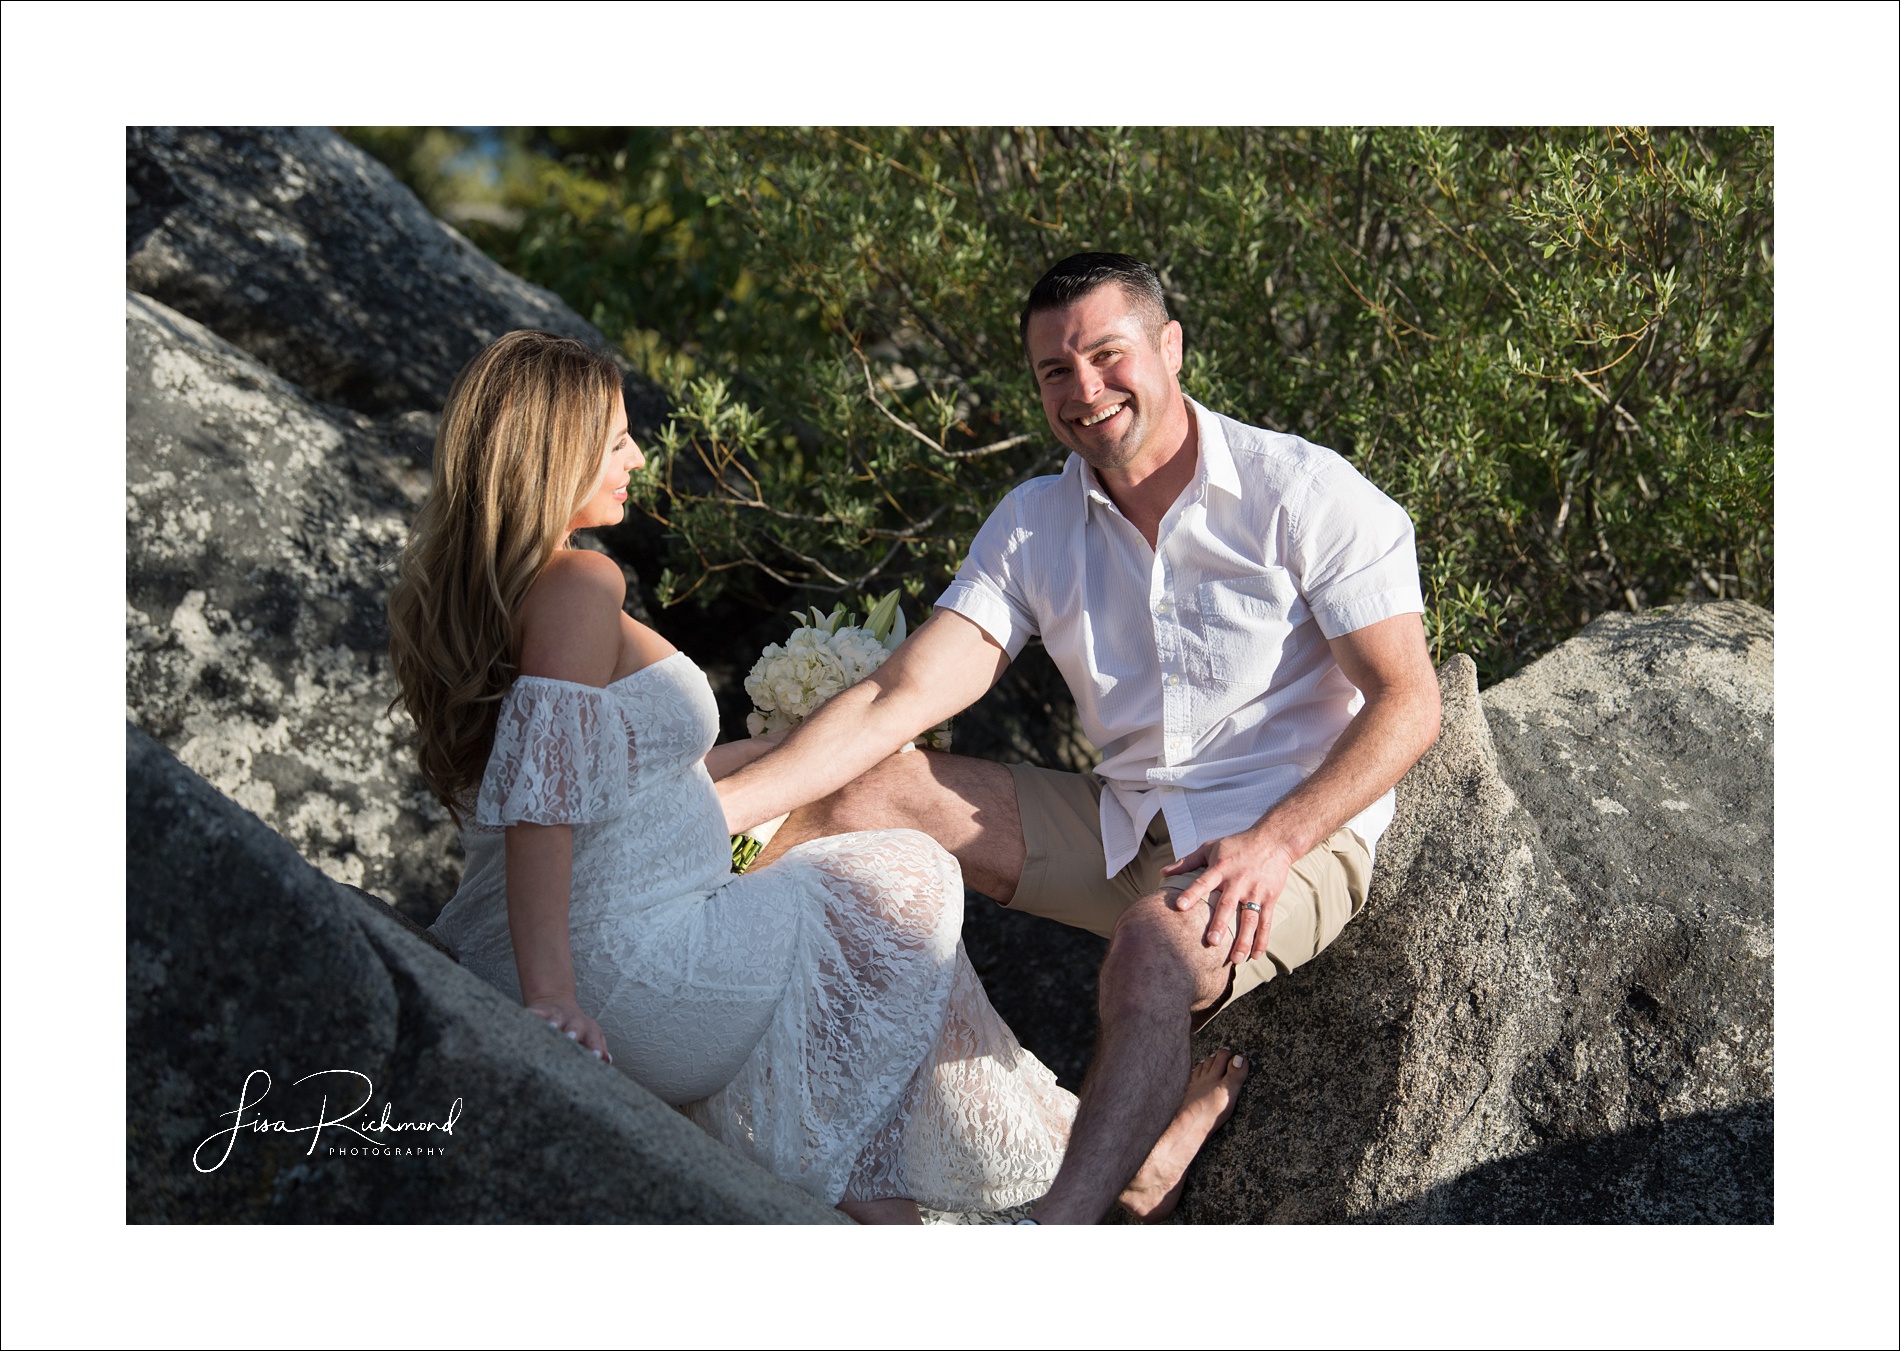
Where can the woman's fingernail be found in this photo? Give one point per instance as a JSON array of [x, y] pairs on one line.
[[573, 1035]]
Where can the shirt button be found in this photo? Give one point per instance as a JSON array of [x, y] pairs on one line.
[[1174, 680]]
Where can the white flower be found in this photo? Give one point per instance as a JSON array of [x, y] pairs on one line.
[[823, 656]]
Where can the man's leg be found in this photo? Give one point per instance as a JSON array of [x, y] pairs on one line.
[[1133, 1109], [1135, 1132], [1157, 972], [968, 806]]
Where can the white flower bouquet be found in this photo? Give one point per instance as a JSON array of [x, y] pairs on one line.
[[825, 654]]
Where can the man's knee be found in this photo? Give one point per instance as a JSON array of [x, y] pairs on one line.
[[1156, 957], [878, 799]]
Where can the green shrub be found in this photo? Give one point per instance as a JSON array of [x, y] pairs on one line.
[[1554, 348]]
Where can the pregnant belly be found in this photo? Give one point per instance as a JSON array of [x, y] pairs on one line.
[[685, 999]]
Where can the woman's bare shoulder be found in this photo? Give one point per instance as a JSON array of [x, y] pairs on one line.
[[581, 570], [570, 619]]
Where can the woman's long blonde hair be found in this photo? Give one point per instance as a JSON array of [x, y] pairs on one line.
[[517, 453]]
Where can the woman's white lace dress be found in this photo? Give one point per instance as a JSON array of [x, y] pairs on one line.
[[818, 1015]]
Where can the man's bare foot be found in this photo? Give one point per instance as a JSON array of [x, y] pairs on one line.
[[1213, 1090]]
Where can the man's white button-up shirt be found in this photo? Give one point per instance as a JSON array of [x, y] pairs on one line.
[[1200, 668]]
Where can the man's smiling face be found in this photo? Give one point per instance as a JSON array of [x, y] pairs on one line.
[[1107, 377]]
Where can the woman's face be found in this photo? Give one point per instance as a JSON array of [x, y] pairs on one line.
[[607, 503]]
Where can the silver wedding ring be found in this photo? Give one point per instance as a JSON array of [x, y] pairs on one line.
[[1249, 905]]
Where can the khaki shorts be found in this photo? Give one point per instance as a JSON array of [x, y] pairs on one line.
[[1062, 877]]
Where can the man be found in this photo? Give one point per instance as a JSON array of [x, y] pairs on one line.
[[1237, 613]]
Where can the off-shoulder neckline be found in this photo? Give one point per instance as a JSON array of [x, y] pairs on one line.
[[583, 685]]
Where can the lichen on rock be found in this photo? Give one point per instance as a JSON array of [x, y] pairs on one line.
[[261, 532]]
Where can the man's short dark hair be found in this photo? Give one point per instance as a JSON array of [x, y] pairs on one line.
[[1080, 273]]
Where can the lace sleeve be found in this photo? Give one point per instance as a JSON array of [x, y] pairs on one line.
[[563, 755]]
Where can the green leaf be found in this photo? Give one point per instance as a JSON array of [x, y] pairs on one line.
[[883, 616]]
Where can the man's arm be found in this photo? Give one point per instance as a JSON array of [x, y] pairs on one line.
[[729, 757], [1389, 663], [940, 670]]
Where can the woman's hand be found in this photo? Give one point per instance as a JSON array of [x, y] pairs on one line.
[[565, 1017]]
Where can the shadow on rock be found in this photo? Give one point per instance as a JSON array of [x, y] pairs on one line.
[[1040, 975], [1711, 1168]]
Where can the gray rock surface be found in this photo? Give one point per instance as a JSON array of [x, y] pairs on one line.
[[1644, 750], [261, 534], [295, 246], [1519, 1028], [243, 958]]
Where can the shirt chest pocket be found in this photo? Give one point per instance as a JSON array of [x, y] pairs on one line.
[[1245, 622]]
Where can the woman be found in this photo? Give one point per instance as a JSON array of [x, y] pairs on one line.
[[818, 1016]]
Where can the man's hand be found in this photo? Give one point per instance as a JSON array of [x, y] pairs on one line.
[[1387, 660], [1243, 871]]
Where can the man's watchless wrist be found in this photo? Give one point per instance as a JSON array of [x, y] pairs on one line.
[[1267, 836]]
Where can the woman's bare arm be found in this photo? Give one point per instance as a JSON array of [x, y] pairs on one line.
[[539, 865], [571, 630]]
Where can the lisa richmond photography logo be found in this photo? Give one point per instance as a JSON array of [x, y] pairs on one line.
[[353, 1134]]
